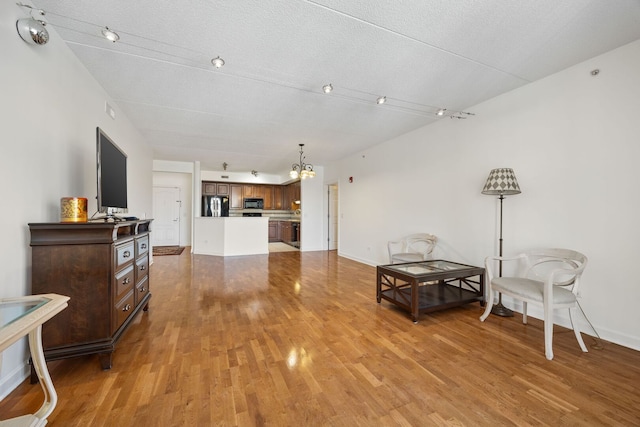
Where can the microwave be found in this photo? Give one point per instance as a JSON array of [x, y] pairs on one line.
[[250, 203]]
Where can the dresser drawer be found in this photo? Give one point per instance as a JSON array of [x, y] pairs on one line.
[[123, 309], [124, 281], [142, 289], [124, 254], [142, 246], [142, 268]]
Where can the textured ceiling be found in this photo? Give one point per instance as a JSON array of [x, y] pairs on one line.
[[252, 113]]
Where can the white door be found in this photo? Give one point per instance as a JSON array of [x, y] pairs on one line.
[[333, 217], [166, 213]]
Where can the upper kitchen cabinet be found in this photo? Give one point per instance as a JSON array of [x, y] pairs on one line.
[[215, 188], [253, 190], [291, 195], [235, 198], [277, 197]]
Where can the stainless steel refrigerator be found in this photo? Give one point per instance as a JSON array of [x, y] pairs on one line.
[[215, 206]]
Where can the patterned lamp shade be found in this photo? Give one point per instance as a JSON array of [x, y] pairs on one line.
[[501, 182]]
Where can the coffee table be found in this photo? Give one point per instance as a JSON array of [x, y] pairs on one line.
[[426, 286]]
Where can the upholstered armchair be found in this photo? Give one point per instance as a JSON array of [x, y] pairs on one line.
[[412, 248], [550, 277]]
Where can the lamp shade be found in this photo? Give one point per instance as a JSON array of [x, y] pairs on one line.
[[501, 182]]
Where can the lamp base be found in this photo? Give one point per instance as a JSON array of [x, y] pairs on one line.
[[501, 310]]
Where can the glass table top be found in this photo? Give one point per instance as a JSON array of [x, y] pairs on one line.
[[426, 267], [12, 310]]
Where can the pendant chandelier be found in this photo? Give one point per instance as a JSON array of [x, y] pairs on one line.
[[302, 170]]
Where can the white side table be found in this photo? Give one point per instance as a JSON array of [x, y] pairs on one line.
[[25, 316]]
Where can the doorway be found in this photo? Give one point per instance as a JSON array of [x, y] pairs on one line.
[[166, 209], [332, 217]]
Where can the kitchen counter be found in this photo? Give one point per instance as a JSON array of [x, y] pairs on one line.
[[231, 236]]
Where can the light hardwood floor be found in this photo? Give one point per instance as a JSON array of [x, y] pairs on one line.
[[297, 339]]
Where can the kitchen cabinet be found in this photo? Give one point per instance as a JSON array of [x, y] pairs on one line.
[[253, 190], [268, 197], [273, 231], [235, 198], [291, 195], [285, 231], [277, 197], [215, 188]]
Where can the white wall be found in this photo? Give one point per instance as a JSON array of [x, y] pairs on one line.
[[50, 108], [313, 217], [573, 141]]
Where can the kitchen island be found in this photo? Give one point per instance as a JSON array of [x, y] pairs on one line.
[[231, 236]]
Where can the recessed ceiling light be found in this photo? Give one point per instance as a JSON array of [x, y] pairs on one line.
[[110, 35], [381, 100], [217, 62], [327, 88]]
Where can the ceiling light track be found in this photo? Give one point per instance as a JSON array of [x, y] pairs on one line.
[[413, 39]]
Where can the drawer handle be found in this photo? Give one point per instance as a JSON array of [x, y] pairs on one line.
[[126, 281], [143, 246], [126, 308], [143, 289], [126, 254], [143, 267]]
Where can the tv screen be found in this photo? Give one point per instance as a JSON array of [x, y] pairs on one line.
[[112, 174]]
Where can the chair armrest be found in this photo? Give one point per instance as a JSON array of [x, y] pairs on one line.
[[488, 265]]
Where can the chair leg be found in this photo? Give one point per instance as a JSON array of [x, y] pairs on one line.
[[576, 329], [524, 312], [548, 333], [488, 306]]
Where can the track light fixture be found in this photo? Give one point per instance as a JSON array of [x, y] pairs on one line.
[[440, 112], [32, 30], [254, 173], [327, 88], [217, 62], [110, 35]]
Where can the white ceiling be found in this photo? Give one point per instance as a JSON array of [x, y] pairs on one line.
[[252, 113]]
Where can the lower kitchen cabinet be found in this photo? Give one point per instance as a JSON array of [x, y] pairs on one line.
[[273, 231]]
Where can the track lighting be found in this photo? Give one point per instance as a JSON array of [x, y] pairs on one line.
[[217, 62], [381, 100], [112, 36], [441, 112], [32, 31], [327, 88]]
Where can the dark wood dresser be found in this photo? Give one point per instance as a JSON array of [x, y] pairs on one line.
[[103, 267]]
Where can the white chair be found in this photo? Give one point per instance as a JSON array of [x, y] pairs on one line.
[[412, 248], [547, 276]]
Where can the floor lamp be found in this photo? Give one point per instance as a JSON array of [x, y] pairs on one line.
[[501, 182]]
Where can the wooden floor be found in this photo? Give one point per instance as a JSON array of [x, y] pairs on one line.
[[297, 339]]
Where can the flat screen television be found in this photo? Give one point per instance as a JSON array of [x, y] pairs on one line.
[[112, 175]]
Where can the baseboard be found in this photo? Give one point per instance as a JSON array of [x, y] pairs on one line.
[[561, 318], [13, 379]]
